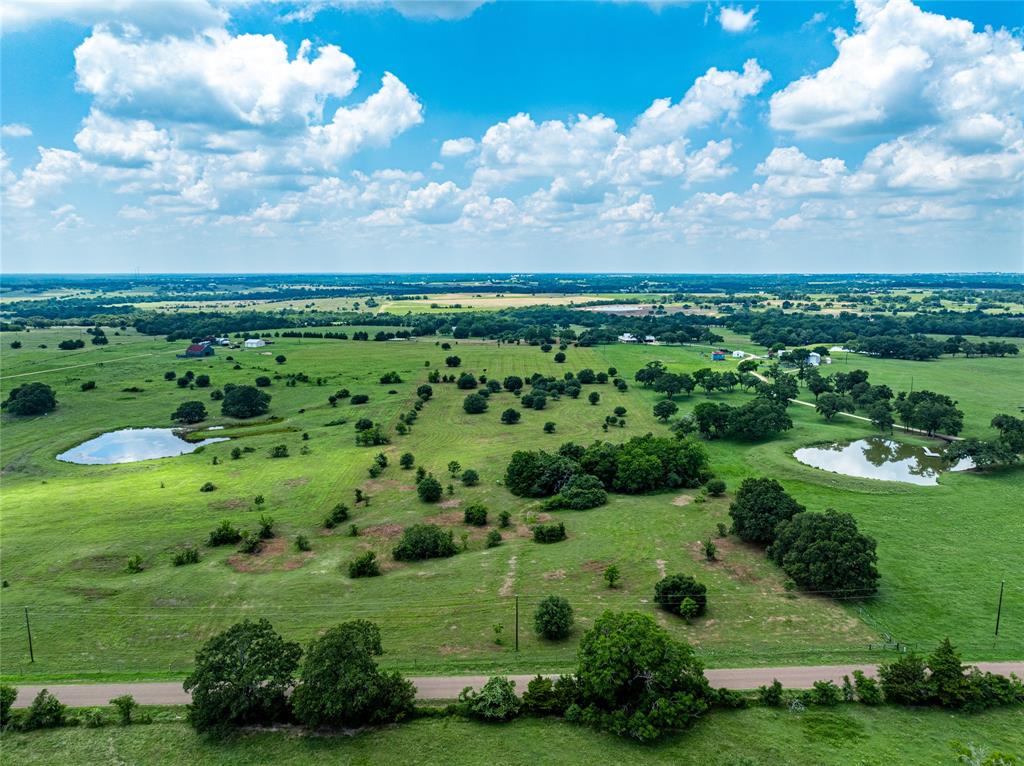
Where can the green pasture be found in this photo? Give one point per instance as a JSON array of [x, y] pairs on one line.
[[67, 530]]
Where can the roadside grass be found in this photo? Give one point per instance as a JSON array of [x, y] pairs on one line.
[[848, 734], [68, 530]]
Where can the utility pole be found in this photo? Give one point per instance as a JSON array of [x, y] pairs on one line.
[[517, 624], [32, 656], [999, 609]]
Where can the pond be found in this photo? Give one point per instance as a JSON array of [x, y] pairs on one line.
[[881, 458], [130, 445]]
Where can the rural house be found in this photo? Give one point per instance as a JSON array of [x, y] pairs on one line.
[[718, 355], [197, 350], [255, 342]]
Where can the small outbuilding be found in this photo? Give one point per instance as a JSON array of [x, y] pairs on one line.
[[738, 354], [718, 355], [198, 350], [814, 359], [255, 343]]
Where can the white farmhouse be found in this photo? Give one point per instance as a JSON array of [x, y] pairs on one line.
[[738, 354]]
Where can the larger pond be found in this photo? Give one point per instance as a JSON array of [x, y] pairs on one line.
[[881, 458], [130, 445]]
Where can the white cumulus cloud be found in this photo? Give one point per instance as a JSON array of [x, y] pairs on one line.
[[736, 20]]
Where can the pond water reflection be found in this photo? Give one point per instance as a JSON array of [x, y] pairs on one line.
[[130, 445], [880, 458]]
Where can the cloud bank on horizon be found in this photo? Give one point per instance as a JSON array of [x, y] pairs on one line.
[[202, 135]]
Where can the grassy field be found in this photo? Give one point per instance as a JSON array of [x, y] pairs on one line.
[[68, 530], [756, 737]]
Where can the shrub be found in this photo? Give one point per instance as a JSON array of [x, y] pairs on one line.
[[549, 533], [510, 416], [866, 688], [208, 487], [759, 506], [202, 381], [493, 538], [673, 591], [429, 489], [466, 381], [904, 681], [262, 381], [611, 575], [186, 556], [94, 719], [134, 565], [424, 541], [474, 404], [553, 618], [225, 534], [170, 375], [359, 399], [407, 460], [390, 378], [363, 424], [582, 492], [425, 391], [338, 514], [7, 696], [622, 648], [823, 693], [496, 700], [549, 427], [302, 544], [278, 451], [364, 565], [715, 487], [189, 412], [125, 705], [340, 684], [824, 552], [266, 529], [251, 543], [216, 395], [45, 712], [475, 514], [594, 397], [541, 699], [504, 519], [470, 478], [30, 399], [452, 361], [538, 474], [770, 696], [241, 677], [89, 385]]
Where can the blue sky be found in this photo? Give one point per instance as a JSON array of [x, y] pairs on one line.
[[234, 135]]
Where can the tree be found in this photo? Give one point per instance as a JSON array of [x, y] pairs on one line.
[[475, 514], [611, 575], [513, 383], [30, 399], [241, 677], [340, 684], [904, 681], [280, 359], [244, 402], [452, 361], [672, 593], [758, 507], [364, 565], [816, 384], [583, 491], [929, 412], [407, 460], [560, 357], [634, 680], [429, 489], [825, 552], [424, 541], [466, 381], [665, 409], [425, 391], [474, 404], [510, 416], [45, 712], [262, 381], [756, 420], [881, 417], [553, 619], [549, 427], [947, 679], [189, 412], [594, 397], [538, 474], [829, 405], [470, 478]]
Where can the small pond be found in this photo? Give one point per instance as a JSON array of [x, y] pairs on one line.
[[880, 458], [130, 445]]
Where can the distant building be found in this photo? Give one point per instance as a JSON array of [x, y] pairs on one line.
[[222, 341], [738, 354], [198, 350], [628, 337], [718, 355], [814, 359], [255, 343]]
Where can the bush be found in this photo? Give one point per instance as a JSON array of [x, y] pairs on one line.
[[553, 619], [208, 487], [549, 427], [429, 489], [134, 565], [759, 507], [125, 705], [466, 381], [541, 699], [278, 451], [475, 514], [407, 460], [186, 556], [510, 416], [30, 399], [681, 594], [340, 684], [493, 538], [496, 700], [425, 391], [364, 565], [390, 378], [504, 519], [582, 492], [770, 696], [202, 381], [904, 681], [225, 534], [7, 696], [45, 712], [337, 515], [621, 649], [611, 575], [302, 544], [823, 693], [549, 533], [251, 543], [241, 677], [825, 553], [89, 385], [244, 402], [470, 478], [715, 487], [424, 541], [866, 688], [538, 474], [266, 529], [359, 399], [94, 719], [474, 404], [262, 381]]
